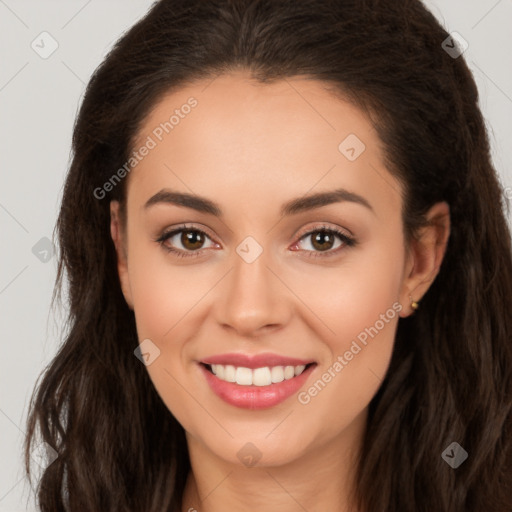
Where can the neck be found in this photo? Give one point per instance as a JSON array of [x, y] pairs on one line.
[[322, 478]]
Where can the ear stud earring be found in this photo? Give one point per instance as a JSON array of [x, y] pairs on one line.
[[414, 305]]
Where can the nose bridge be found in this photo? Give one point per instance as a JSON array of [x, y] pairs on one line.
[[252, 296]]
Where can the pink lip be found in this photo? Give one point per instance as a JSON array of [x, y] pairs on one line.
[[255, 397], [255, 361]]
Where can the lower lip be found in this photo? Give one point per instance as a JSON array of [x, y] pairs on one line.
[[255, 397]]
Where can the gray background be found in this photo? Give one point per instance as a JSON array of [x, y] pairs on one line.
[[38, 103]]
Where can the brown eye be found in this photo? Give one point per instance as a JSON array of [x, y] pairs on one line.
[[192, 239], [323, 240], [185, 241]]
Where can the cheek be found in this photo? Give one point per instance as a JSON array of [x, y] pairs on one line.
[[359, 304], [343, 389], [163, 293], [164, 296], [353, 296]]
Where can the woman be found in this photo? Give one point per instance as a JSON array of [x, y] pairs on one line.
[[290, 270]]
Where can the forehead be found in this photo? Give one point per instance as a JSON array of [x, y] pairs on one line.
[[232, 133]]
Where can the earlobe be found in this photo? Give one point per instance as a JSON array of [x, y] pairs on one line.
[[426, 254], [118, 237]]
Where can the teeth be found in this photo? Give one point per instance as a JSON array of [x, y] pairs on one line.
[[299, 369], [229, 373], [257, 377], [220, 371], [277, 374], [261, 377], [243, 376], [289, 372]]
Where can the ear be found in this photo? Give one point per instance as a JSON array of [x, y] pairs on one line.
[[119, 237], [425, 255]]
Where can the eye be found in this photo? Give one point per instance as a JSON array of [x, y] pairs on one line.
[[323, 240], [191, 240]]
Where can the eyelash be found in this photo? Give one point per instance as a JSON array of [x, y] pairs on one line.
[[347, 241]]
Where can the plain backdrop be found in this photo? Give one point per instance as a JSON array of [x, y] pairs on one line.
[[39, 98]]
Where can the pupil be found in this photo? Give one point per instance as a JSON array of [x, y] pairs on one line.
[[317, 240], [191, 239]]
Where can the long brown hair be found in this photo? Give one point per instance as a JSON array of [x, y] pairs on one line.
[[450, 378]]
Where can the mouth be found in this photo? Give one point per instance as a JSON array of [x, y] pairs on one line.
[[261, 376], [255, 382]]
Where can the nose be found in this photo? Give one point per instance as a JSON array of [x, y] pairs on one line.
[[253, 299]]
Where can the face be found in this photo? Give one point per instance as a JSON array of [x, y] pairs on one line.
[[264, 243]]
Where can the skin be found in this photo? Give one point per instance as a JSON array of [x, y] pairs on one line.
[[250, 148]]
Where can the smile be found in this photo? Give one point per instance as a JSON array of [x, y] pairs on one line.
[[263, 376], [255, 382]]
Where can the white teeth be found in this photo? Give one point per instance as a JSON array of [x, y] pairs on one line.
[[243, 376], [229, 373], [289, 372], [259, 376], [277, 374], [299, 369], [220, 371]]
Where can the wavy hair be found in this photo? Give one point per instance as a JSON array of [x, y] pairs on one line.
[[450, 377]]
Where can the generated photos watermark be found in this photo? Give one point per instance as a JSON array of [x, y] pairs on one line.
[[305, 397], [151, 142]]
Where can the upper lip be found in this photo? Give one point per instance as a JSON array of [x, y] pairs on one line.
[[255, 361]]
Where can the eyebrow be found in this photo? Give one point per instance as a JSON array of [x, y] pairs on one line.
[[292, 207]]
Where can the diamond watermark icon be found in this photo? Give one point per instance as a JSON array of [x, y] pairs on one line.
[[44, 45], [454, 455], [249, 455], [454, 45], [147, 352], [352, 147], [44, 250], [43, 455], [249, 250]]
